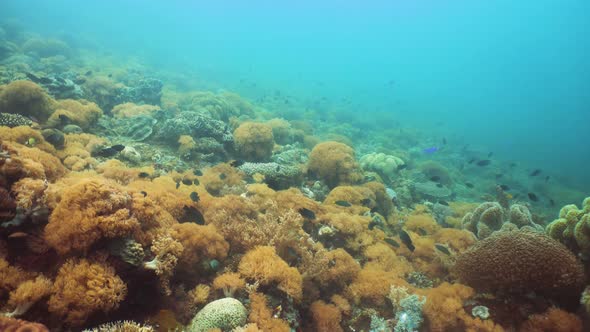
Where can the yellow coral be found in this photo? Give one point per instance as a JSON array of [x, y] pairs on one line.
[[26, 98], [80, 112], [334, 163], [128, 110], [254, 141], [27, 294]]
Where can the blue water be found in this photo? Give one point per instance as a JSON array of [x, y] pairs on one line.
[[510, 76]]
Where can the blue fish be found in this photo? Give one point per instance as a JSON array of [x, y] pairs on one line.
[[431, 150]]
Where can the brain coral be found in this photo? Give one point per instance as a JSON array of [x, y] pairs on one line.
[[26, 98], [521, 262], [385, 165], [334, 163], [225, 314], [254, 141], [489, 217], [572, 228]]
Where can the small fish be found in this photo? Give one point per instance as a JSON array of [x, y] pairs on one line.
[[391, 242], [307, 213], [406, 239], [472, 160], [17, 235], [196, 182], [535, 172], [422, 231], [484, 162], [498, 176], [469, 184], [551, 202], [430, 150], [373, 224], [222, 176], [366, 201], [504, 187], [110, 75], [490, 154], [118, 147], [88, 73], [533, 197], [402, 166], [64, 120], [143, 175], [444, 140], [237, 163], [194, 196], [191, 214], [439, 185], [187, 182], [512, 164], [106, 152], [343, 203], [443, 202], [435, 178], [197, 172], [177, 184], [143, 193], [442, 248], [547, 178]]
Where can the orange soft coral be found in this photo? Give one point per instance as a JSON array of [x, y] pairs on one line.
[[8, 324], [128, 110], [553, 320], [80, 112], [89, 211], [221, 177], [199, 242], [361, 198], [326, 317], [27, 294], [254, 141], [10, 277], [82, 288], [334, 163], [29, 162], [26, 136], [229, 282], [342, 269], [26, 98], [372, 285], [166, 251], [263, 265], [262, 316]]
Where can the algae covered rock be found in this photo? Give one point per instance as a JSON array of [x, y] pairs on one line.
[[225, 314]]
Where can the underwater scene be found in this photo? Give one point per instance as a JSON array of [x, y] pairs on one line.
[[328, 166]]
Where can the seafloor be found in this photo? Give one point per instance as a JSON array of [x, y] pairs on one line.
[[130, 193]]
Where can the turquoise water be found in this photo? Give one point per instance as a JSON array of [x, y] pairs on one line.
[[512, 76]]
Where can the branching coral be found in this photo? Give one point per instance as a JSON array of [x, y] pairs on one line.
[[166, 251], [27, 294], [82, 288], [522, 262], [26, 98], [334, 163], [263, 265], [89, 211], [254, 141], [80, 112]]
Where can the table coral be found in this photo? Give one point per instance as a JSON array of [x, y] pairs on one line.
[[26, 98], [89, 211], [522, 262], [263, 265], [334, 163], [82, 288], [254, 141]]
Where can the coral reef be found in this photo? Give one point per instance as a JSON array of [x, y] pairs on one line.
[[490, 217], [26, 98], [334, 163], [225, 314], [572, 228], [386, 165], [254, 141]]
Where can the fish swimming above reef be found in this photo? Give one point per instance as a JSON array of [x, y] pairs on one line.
[[484, 162], [407, 240], [533, 197], [143, 175], [391, 242], [198, 172], [109, 151], [236, 163], [307, 213], [442, 248], [343, 203], [504, 187], [431, 150], [191, 214], [187, 182], [194, 196], [535, 172], [366, 201], [469, 185], [402, 166], [472, 160]]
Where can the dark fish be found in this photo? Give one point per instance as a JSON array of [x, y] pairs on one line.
[[484, 162], [442, 248], [343, 203], [187, 182], [222, 176], [551, 202], [469, 184], [435, 178], [373, 224], [535, 172], [307, 213], [278, 168], [236, 163], [533, 197], [512, 165], [110, 75], [490, 154], [422, 231], [406, 239], [198, 172], [391, 242], [499, 175], [143, 175], [471, 161], [177, 184], [64, 120], [439, 185], [106, 152], [196, 182], [118, 147], [88, 73], [547, 178], [191, 214], [366, 201], [443, 202], [194, 196], [504, 187], [515, 196], [402, 166], [444, 140], [143, 193]]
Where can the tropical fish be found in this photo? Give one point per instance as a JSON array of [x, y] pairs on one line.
[[366, 201], [236, 163], [469, 184], [484, 162], [118, 147], [435, 178], [533, 197], [422, 231], [88, 73], [535, 172], [443, 202], [402, 166], [143, 193], [442, 248], [307, 213], [143, 175], [197, 172], [194, 196], [187, 182], [430, 150], [504, 187], [196, 182], [109, 151], [177, 184], [222, 176], [191, 214], [439, 185], [343, 203], [407, 240], [391, 242], [64, 120], [472, 160]]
